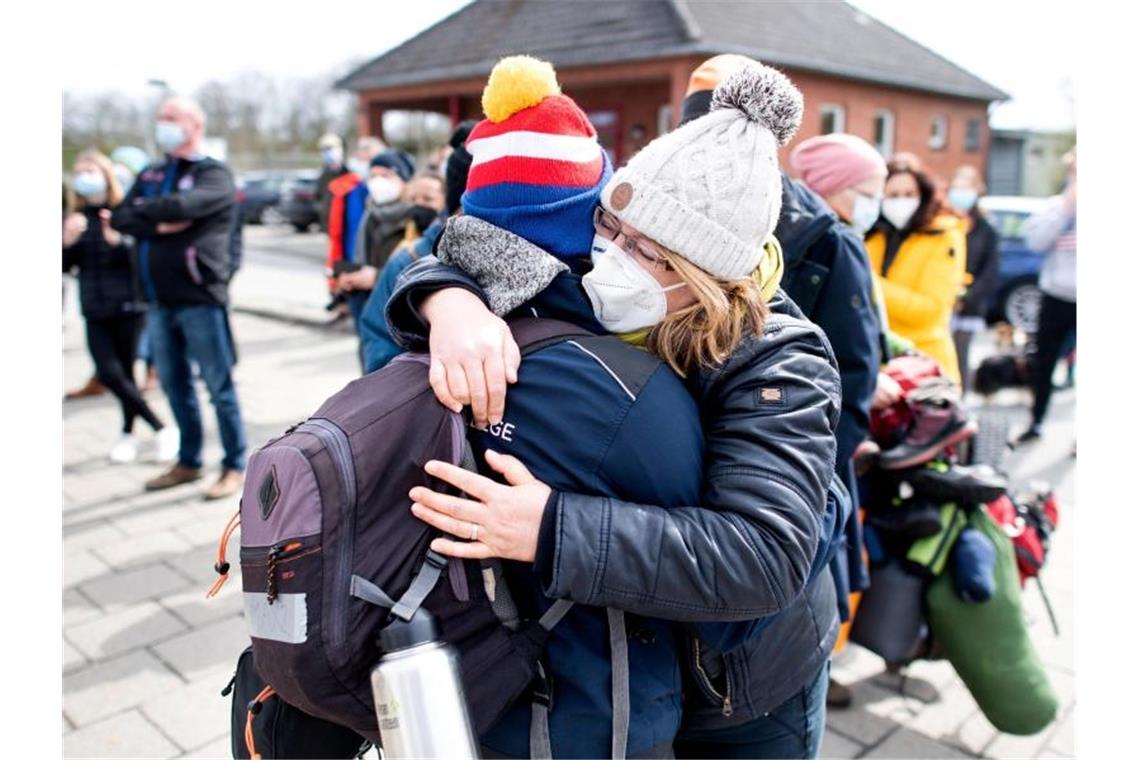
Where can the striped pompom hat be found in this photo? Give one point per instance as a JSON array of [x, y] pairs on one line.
[[537, 168]]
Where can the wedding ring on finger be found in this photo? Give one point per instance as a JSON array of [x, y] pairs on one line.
[[474, 532]]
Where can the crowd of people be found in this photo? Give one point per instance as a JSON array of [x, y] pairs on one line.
[[759, 308]]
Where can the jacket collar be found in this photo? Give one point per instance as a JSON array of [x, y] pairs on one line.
[[804, 217]]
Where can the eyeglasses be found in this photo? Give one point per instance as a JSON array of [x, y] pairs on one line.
[[609, 226]]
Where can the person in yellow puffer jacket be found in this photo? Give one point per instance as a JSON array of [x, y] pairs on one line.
[[918, 255]]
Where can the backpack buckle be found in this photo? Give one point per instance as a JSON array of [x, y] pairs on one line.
[[435, 559], [542, 688]]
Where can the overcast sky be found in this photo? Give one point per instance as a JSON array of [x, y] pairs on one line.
[[1020, 47]]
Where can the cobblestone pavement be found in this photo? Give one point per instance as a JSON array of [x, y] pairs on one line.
[[145, 654]]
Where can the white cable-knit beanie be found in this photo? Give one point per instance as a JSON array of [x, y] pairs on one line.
[[710, 190]]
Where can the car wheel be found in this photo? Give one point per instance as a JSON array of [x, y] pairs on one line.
[[300, 227], [1022, 305]]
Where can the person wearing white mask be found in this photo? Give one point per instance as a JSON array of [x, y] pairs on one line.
[[982, 260], [380, 231], [182, 210], [918, 254], [332, 166], [684, 264], [110, 298]]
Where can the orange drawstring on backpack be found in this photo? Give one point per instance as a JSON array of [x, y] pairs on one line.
[[221, 566], [254, 708]]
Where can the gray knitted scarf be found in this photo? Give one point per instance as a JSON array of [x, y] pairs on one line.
[[509, 269]]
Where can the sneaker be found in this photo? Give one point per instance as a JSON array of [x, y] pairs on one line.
[[939, 421], [838, 695], [125, 450], [166, 444], [1029, 436], [227, 485], [92, 388], [175, 476], [975, 484]]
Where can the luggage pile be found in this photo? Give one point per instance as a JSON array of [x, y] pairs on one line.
[[950, 548]]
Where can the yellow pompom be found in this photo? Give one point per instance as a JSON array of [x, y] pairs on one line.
[[517, 82]]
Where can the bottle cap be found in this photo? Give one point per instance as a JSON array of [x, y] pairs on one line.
[[398, 634]]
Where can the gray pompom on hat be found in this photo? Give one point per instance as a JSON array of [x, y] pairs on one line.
[[710, 190]]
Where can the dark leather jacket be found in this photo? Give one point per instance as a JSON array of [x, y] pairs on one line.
[[770, 414]]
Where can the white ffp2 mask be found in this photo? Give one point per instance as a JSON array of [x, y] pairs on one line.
[[625, 297]]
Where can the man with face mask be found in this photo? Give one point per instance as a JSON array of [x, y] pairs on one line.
[[332, 166], [181, 210]]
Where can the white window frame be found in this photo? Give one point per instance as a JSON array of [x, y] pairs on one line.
[[887, 146], [838, 114], [939, 132]]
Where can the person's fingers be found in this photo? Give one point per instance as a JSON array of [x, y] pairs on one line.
[[512, 358], [437, 377], [457, 382], [105, 216], [496, 378], [457, 528], [471, 483], [452, 506], [462, 549], [478, 389], [510, 468]]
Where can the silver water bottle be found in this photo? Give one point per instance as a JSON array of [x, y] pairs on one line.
[[419, 698]]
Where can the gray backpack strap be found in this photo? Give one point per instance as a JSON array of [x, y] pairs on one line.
[[364, 589], [425, 580], [619, 670], [540, 748], [619, 667], [557, 611]]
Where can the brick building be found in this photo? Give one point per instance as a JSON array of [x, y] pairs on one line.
[[628, 63]]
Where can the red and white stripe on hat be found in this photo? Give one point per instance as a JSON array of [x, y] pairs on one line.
[[552, 143]]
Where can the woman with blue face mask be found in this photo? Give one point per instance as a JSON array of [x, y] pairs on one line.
[[111, 299], [981, 264]]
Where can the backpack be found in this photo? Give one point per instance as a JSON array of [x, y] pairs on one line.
[[330, 551]]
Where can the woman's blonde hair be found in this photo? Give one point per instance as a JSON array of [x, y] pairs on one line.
[[705, 334], [114, 193]]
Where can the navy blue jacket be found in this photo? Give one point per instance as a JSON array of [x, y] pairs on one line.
[[579, 429], [758, 544], [192, 267], [828, 276]]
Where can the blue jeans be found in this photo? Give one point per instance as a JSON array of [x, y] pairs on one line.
[[357, 300], [792, 730], [179, 335]]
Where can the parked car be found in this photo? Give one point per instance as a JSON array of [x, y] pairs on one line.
[[299, 201], [1017, 300], [258, 197]]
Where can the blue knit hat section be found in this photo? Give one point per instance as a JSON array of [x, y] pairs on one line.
[[560, 220], [398, 161]]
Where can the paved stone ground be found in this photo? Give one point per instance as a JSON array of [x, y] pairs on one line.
[[145, 654]]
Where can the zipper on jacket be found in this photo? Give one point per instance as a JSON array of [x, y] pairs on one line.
[[336, 442], [726, 698]]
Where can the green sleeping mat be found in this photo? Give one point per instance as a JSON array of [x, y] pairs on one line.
[[989, 646]]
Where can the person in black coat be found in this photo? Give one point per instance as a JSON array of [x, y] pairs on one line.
[[110, 298], [982, 260]]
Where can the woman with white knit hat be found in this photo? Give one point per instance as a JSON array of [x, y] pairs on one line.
[[684, 263]]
